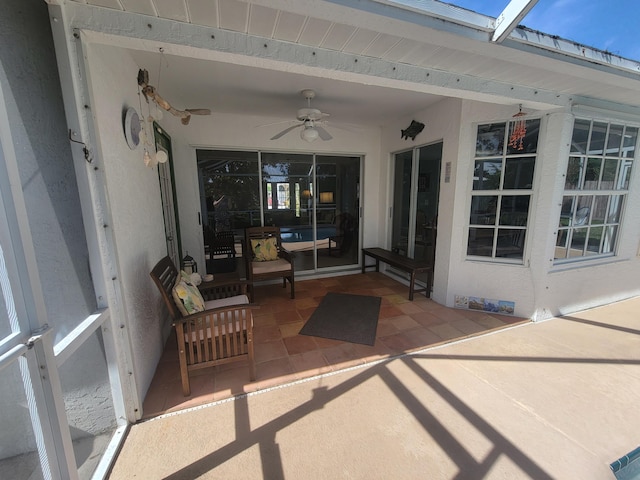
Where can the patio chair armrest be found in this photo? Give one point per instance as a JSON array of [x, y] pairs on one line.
[[286, 254]]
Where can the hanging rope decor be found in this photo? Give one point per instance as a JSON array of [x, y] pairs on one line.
[[518, 130]]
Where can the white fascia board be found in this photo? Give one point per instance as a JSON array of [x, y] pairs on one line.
[[393, 17], [550, 46], [127, 30], [448, 19], [440, 10]]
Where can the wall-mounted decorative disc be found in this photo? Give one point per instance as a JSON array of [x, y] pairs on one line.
[[132, 128]]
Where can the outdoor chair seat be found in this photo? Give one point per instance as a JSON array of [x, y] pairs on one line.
[[211, 306], [278, 265]]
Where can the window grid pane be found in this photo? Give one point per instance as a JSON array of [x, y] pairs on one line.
[[502, 183], [589, 222]]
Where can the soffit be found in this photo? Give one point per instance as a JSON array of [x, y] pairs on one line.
[[335, 27]]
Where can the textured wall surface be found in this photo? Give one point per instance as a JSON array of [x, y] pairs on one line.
[[32, 94]]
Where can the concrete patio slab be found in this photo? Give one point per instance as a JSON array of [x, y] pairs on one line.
[[551, 400]]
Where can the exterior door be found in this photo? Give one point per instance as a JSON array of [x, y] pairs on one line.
[[168, 195], [415, 202]]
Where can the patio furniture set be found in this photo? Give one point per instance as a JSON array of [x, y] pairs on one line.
[[214, 321]]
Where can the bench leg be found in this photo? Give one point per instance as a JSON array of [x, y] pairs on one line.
[[412, 283], [364, 263]]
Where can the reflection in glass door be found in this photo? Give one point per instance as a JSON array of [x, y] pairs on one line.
[[415, 202], [337, 212], [314, 199]]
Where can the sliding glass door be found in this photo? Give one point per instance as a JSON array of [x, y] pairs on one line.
[[288, 202], [314, 199], [415, 202], [338, 209]]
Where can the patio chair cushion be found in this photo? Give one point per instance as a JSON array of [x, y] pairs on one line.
[[277, 265], [226, 302], [187, 297], [264, 249]]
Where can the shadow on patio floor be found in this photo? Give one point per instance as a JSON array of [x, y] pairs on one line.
[[283, 356]]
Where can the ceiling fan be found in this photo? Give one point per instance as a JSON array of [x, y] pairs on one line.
[[308, 119], [150, 92]]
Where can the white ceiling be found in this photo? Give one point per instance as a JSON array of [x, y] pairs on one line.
[[236, 89], [447, 40]]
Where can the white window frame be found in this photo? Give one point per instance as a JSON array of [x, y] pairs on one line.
[[583, 200], [519, 231]]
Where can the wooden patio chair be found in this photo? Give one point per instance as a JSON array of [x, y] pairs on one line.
[[222, 332], [266, 258], [222, 250]]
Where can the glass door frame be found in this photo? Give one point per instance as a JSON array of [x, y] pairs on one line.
[[303, 199], [414, 189]]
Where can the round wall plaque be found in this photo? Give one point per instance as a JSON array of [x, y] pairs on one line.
[[132, 128]]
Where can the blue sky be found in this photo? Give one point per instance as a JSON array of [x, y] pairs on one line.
[[612, 25]]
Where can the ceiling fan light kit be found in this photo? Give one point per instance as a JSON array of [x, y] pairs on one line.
[[309, 134], [308, 117]]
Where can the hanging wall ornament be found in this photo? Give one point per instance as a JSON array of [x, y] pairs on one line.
[[518, 130], [150, 159]]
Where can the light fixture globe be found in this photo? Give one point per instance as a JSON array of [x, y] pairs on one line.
[[309, 134], [162, 156]]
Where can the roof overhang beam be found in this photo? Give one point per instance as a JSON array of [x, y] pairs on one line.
[[510, 17]]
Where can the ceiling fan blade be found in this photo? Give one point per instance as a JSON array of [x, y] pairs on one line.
[[276, 123], [285, 131], [324, 135], [198, 111]]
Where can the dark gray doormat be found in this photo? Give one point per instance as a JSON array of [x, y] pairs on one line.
[[350, 318]]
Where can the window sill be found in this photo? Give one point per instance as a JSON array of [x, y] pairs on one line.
[[495, 261], [568, 265]]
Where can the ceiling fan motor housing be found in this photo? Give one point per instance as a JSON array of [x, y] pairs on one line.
[[310, 114]]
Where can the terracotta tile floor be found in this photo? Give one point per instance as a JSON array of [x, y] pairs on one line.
[[283, 356]]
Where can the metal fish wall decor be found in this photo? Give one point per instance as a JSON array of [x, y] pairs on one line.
[[412, 130]]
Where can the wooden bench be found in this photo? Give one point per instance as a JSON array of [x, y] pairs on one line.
[[409, 265]]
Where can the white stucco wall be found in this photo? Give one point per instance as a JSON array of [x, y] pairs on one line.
[[539, 288], [134, 199], [441, 124], [478, 278]]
